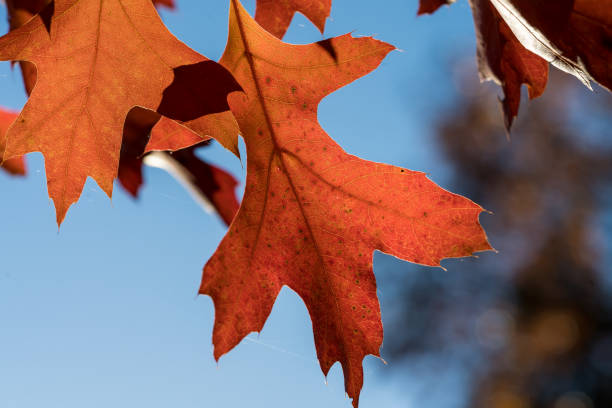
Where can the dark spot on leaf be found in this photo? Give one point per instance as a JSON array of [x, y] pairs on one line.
[[46, 14], [328, 47], [188, 97]]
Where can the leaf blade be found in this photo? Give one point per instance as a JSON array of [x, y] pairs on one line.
[[312, 215], [78, 128]]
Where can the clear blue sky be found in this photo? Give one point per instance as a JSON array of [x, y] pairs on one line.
[[105, 313]]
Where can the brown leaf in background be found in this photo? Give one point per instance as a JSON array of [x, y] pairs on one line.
[[502, 58], [517, 39], [574, 35]]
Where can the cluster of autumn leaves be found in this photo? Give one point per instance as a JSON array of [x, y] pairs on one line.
[[517, 39], [311, 215]]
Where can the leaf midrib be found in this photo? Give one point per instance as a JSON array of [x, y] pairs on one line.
[[277, 151]]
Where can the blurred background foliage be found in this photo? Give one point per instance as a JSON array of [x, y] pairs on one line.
[[530, 327]]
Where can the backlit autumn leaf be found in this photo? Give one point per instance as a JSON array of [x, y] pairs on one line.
[[209, 185], [275, 15], [502, 58], [16, 165], [573, 35], [518, 38], [173, 135], [312, 215], [123, 57]]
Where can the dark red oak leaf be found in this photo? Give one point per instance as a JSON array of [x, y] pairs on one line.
[[502, 58]]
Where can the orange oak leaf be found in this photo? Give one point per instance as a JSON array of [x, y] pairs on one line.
[[502, 59], [20, 11], [16, 165], [573, 35], [312, 215], [86, 85], [275, 15], [210, 185]]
